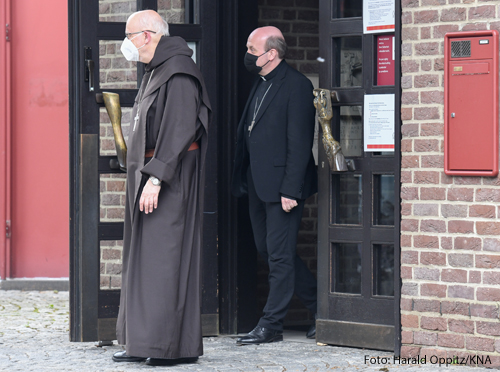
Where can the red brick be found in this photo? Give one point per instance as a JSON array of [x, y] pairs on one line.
[[491, 277], [439, 64], [482, 211], [453, 14], [488, 294], [440, 31], [433, 258], [424, 273], [433, 129], [426, 241], [406, 82], [410, 351], [488, 195], [409, 98], [445, 179], [409, 193], [485, 11], [488, 228], [111, 254], [407, 337], [479, 343], [433, 290], [460, 227], [426, 177], [406, 304], [427, 81], [484, 311], [453, 210], [475, 277], [433, 226], [426, 113], [446, 242], [425, 209], [426, 145], [488, 328], [492, 245], [409, 225], [409, 130], [406, 272], [406, 145], [488, 261], [409, 33], [426, 306], [432, 161], [460, 291], [429, 353], [426, 16], [409, 321], [426, 63], [467, 180], [427, 49], [449, 340], [424, 338], [432, 193], [406, 113], [461, 326], [406, 209], [454, 275], [405, 241], [460, 260], [461, 194], [433, 324], [409, 289], [425, 33], [409, 257], [456, 308], [467, 243], [435, 96], [410, 161], [406, 176]]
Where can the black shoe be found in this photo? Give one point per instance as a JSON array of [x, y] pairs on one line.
[[260, 335], [170, 362], [311, 333], [121, 356]]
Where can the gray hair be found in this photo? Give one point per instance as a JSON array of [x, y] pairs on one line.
[[278, 43], [153, 23]]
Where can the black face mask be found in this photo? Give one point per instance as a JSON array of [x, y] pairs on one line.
[[250, 62]]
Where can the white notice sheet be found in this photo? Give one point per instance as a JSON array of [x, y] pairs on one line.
[[378, 122], [378, 16]]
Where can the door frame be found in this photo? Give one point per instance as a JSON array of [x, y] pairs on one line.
[[324, 206]]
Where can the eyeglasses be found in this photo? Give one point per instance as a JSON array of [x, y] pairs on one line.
[[128, 34]]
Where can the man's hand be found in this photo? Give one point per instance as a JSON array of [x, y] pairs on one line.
[[288, 204], [149, 197]]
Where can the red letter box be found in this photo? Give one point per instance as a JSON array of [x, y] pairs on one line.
[[471, 103]]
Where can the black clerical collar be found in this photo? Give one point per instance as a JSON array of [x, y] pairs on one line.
[[274, 72]]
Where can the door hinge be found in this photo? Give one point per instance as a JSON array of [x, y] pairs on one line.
[[8, 231], [7, 32]]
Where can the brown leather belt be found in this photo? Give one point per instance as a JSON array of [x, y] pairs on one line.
[[150, 152]]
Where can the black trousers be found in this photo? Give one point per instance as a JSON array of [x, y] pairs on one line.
[[275, 232]]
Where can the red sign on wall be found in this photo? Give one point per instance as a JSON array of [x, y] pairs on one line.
[[385, 60]]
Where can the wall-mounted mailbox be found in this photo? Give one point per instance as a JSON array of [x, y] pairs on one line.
[[471, 103]]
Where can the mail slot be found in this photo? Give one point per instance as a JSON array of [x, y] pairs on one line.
[[471, 103]]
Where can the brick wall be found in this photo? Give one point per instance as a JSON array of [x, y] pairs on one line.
[[450, 245]]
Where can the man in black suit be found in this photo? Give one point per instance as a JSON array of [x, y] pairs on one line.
[[274, 165]]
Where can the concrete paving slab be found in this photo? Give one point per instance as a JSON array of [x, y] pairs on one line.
[[34, 337]]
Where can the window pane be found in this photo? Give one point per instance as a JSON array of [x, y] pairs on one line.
[[383, 270], [383, 188], [115, 72], [112, 197], [348, 201], [349, 57], [350, 8], [116, 10], [111, 264], [347, 266], [351, 131], [177, 11]]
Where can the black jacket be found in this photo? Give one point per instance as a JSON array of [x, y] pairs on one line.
[[281, 141]]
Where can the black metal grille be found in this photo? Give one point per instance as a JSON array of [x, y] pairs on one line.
[[460, 49]]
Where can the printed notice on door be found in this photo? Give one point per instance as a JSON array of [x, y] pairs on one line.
[[378, 122], [378, 16]]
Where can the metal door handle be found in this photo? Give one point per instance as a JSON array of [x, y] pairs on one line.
[[90, 66]]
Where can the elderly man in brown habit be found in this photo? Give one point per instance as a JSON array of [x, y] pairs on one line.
[[159, 319]]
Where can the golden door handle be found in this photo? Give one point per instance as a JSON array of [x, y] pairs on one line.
[[112, 103]]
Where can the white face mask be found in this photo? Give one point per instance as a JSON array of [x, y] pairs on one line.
[[129, 50]]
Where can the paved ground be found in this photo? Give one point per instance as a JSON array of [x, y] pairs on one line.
[[34, 337]]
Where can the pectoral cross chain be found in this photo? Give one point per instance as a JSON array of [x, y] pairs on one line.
[[256, 110]]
